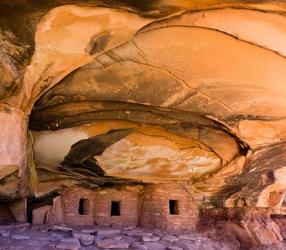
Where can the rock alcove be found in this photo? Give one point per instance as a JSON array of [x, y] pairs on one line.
[[108, 104]]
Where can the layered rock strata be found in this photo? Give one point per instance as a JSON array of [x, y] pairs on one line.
[[100, 93]]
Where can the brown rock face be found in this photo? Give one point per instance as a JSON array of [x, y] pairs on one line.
[[14, 54], [251, 226], [102, 93]]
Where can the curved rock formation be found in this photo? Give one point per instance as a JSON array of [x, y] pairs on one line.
[[96, 93]]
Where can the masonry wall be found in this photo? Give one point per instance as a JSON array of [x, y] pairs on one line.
[[147, 206], [71, 202], [130, 203], [155, 212]]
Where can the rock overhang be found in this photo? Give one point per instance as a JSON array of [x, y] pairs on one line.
[[202, 85]]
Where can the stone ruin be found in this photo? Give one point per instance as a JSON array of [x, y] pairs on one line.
[[142, 124], [150, 206]]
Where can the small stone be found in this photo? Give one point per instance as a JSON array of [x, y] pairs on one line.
[[21, 225], [22, 229], [69, 244], [43, 239], [6, 227], [36, 228], [85, 239], [112, 244], [89, 231], [57, 235], [108, 232], [20, 237], [138, 234], [61, 228], [73, 240], [150, 238], [98, 238], [170, 238], [114, 238], [139, 246], [5, 234], [173, 248], [187, 237], [155, 246], [34, 244], [51, 246], [186, 245]]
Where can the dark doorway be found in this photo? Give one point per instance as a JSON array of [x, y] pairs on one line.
[[115, 208], [173, 207], [34, 202], [83, 206]]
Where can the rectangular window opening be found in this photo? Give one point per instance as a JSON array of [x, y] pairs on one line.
[[115, 208], [173, 207], [83, 206]]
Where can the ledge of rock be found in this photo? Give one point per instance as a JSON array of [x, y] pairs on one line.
[[163, 115]]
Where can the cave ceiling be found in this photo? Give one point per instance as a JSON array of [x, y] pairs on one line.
[[102, 92]]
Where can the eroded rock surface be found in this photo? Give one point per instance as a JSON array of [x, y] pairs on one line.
[[97, 93]]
